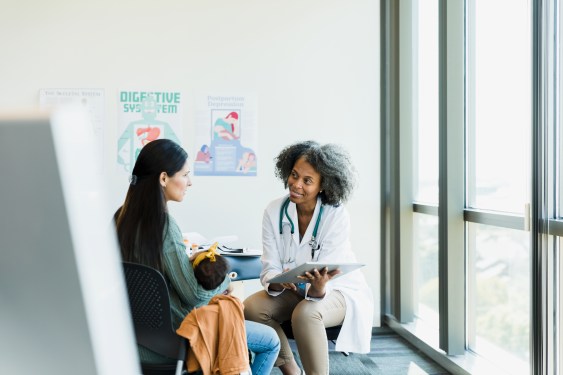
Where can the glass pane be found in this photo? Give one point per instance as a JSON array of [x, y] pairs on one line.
[[499, 295], [426, 104], [426, 269], [499, 59]]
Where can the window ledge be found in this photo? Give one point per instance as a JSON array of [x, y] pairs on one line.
[[427, 342]]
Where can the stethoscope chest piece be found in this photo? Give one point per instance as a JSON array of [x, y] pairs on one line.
[[313, 242]]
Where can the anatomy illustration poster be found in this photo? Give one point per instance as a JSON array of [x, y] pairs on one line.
[[91, 99], [146, 115], [226, 135]]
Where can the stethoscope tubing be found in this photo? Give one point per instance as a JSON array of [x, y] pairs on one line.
[[283, 211]]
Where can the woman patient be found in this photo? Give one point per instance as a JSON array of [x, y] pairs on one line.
[[149, 235]]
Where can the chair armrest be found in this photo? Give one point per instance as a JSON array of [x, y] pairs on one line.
[[182, 351]]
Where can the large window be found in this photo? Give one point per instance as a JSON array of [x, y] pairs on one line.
[[426, 102], [499, 295], [499, 102], [425, 126], [474, 86], [426, 269]]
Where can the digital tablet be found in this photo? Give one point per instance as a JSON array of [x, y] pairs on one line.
[[291, 275]]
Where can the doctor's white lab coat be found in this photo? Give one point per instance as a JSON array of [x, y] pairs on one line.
[[333, 236]]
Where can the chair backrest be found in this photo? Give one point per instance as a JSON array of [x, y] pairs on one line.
[[150, 309]]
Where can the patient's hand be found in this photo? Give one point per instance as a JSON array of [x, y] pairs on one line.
[[229, 290]]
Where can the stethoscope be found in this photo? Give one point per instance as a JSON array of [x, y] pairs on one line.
[[313, 242]]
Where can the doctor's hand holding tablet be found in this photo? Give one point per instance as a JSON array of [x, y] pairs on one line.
[[317, 277], [314, 273]]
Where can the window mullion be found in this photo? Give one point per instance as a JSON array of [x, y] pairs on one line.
[[451, 182]]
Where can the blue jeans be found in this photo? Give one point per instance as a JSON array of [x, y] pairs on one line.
[[263, 341]]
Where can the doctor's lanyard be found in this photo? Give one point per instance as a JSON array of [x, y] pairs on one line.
[[315, 246]]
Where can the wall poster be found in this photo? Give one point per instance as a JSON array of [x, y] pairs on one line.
[[143, 116], [226, 136], [92, 99]]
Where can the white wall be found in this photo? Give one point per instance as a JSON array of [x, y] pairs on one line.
[[313, 65]]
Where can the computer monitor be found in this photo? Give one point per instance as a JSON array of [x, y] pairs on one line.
[[63, 305]]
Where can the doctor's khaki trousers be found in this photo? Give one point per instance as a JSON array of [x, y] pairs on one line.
[[308, 319]]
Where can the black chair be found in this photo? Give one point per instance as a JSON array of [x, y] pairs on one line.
[[150, 309], [331, 332]]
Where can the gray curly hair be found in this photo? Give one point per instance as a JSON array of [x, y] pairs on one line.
[[331, 161]]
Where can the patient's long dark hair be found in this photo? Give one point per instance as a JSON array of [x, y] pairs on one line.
[[142, 219]]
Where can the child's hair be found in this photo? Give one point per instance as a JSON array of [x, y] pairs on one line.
[[211, 274]]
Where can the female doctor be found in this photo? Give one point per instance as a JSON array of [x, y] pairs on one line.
[[310, 224]]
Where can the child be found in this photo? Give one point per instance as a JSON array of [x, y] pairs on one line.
[[210, 268]]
